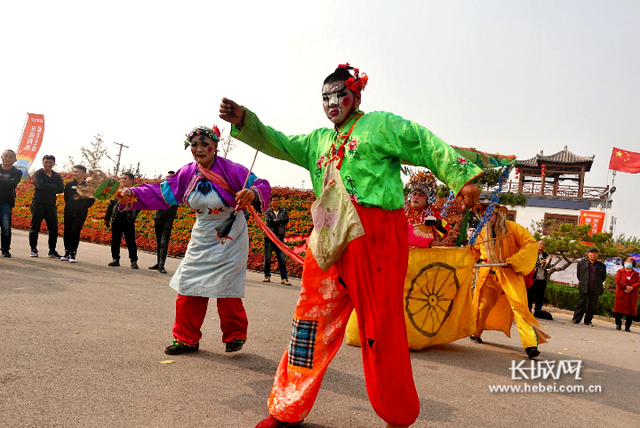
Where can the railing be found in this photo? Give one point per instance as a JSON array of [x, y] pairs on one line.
[[560, 191]]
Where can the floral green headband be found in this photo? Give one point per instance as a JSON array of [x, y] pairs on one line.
[[213, 133]]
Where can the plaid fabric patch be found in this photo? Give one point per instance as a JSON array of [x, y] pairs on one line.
[[302, 345]]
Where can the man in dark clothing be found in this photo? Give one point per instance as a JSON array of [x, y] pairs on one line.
[[276, 219], [163, 223], [75, 213], [47, 184], [591, 276], [9, 179], [122, 222], [535, 293]]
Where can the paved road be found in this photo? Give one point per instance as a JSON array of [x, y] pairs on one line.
[[80, 346]]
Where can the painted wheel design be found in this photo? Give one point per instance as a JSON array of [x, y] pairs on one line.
[[430, 298]]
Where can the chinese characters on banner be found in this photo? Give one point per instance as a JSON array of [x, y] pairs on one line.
[[593, 218], [30, 142]]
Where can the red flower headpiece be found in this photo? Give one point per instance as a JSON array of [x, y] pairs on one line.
[[355, 82]]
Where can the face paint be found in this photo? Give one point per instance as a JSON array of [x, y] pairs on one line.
[[203, 150], [338, 102]]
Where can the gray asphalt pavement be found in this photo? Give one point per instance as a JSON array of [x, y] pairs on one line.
[[81, 346]]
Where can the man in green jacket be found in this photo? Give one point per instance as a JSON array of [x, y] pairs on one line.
[[369, 275]]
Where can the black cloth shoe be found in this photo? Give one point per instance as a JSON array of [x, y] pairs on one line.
[[544, 315], [6, 253], [475, 339], [628, 330], [590, 324], [233, 346], [114, 262], [161, 269], [177, 347], [575, 322], [134, 265], [532, 352], [154, 267], [619, 327]]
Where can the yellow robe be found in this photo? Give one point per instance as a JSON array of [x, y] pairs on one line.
[[520, 250]]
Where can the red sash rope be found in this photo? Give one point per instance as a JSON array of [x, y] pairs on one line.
[[220, 181]]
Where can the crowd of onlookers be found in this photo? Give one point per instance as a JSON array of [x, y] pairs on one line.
[[48, 183]]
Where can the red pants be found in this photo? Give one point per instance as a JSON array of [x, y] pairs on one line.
[[190, 313], [370, 277]]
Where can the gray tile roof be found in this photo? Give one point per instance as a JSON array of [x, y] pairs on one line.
[[563, 156]]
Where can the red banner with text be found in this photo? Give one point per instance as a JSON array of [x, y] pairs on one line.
[[30, 142], [593, 218]]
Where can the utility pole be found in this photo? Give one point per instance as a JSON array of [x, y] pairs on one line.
[[119, 154]]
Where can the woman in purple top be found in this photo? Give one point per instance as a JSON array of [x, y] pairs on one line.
[[212, 266]]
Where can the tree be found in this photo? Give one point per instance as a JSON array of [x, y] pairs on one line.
[[570, 244], [95, 153], [135, 171], [227, 145], [69, 164]]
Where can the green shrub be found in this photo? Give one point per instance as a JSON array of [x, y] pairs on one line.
[[566, 297], [610, 282]]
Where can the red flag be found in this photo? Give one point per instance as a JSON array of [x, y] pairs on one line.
[[625, 161]]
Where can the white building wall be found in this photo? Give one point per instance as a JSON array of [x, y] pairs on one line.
[[526, 215]]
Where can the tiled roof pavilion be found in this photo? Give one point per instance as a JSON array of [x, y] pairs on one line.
[[564, 157]]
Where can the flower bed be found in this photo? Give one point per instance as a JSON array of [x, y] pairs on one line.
[[297, 202]]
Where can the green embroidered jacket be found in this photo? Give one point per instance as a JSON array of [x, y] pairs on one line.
[[373, 153]]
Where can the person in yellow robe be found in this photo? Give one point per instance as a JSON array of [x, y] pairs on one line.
[[500, 294]]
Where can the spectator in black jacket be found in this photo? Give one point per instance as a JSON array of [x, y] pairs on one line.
[[163, 223], [9, 178], [535, 293], [591, 276], [48, 184], [276, 218], [122, 222], [75, 213]]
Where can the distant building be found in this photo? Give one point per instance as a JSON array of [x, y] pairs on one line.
[[555, 190]]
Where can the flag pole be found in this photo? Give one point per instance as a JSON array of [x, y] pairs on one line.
[[26, 119], [606, 202]]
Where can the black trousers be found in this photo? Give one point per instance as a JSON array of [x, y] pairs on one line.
[[163, 234], [535, 294], [269, 248], [48, 213], [72, 228], [129, 231], [628, 321], [586, 301]]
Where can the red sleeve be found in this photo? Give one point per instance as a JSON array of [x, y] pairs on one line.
[[636, 283], [619, 279]]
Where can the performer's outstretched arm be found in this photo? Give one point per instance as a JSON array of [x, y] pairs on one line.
[[296, 149]]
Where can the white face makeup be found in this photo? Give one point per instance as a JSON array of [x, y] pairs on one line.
[[203, 150], [338, 102], [418, 200]]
